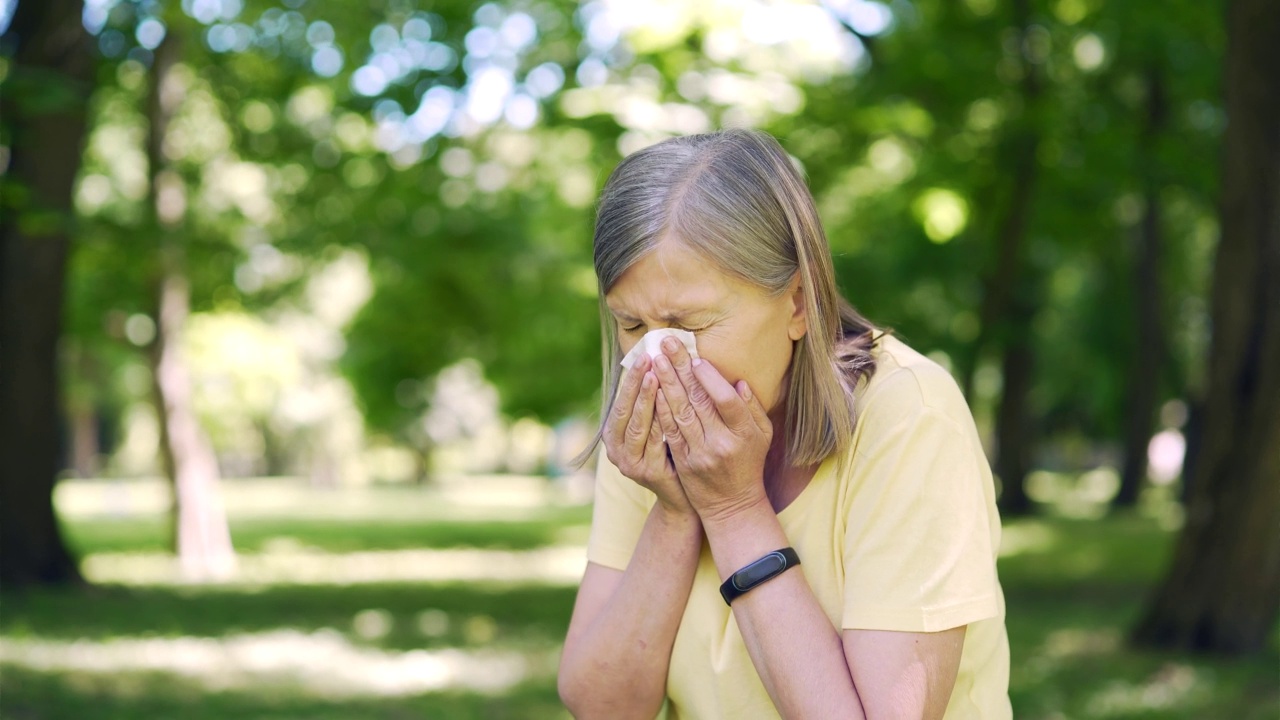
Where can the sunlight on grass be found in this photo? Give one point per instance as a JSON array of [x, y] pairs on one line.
[[1068, 647], [1173, 685], [450, 497], [323, 663], [289, 564], [421, 602], [1076, 642]]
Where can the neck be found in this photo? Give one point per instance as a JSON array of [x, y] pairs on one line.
[[776, 461]]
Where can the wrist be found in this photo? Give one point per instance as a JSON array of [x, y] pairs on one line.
[[727, 516], [744, 535], [677, 519]]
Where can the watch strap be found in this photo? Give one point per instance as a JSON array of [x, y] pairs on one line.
[[757, 573]]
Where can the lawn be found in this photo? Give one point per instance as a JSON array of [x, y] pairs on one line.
[[441, 645]]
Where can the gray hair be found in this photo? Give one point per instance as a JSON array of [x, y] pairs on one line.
[[736, 198]]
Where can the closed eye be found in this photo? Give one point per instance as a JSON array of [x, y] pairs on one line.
[[637, 328]]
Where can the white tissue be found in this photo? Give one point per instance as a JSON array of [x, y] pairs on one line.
[[651, 345]]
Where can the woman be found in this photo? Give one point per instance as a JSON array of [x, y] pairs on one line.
[[799, 521]]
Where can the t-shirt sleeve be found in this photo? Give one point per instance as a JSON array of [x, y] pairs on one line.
[[919, 513], [619, 513]]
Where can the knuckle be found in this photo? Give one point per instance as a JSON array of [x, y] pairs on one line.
[[633, 432]]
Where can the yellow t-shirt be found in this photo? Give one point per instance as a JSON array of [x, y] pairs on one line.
[[905, 539]]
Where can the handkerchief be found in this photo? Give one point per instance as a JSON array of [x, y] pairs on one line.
[[651, 344]]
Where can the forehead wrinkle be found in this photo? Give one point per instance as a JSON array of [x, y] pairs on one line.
[[671, 312], [669, 294]]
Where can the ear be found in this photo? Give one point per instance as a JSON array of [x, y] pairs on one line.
[[798, 324]]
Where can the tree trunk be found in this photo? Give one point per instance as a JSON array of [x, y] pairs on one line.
[[1007, 304], [83, 428], [1014, 430], [1143, 385], [45, 113], [1222, 592], [998, 286], [202, 538]]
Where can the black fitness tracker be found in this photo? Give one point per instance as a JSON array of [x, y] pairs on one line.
[[766, 568]]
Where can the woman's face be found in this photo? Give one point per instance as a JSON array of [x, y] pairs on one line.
[[741, 331]]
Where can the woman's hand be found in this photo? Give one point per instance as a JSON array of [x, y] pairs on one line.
[[633, 439], [719, 435]]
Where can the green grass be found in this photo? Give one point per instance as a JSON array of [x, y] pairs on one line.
[[1070, 605], [151, 534], [37, 696], [1073, 590], [520, 614]]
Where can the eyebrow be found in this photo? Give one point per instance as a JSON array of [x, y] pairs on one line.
[[670, 317]]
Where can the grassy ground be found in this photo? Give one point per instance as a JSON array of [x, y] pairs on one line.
[[489, 647]]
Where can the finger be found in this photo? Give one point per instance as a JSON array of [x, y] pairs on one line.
[[756, 408], [616, 426], [680, 359], [655, 449], [637, 433], [670, 429], [730, 406], [682, 412]]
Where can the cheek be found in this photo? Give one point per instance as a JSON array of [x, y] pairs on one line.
[[734, 362], [721, 355]]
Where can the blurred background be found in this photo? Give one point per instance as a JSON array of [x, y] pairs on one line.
[[300, 329]]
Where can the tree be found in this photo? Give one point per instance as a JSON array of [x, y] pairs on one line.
[[1222, 592], [1143, 379], [976, 175], [202, 538], [44, 123], [1009, 294]]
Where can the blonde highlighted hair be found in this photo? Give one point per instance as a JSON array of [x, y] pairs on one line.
[[736, 198]]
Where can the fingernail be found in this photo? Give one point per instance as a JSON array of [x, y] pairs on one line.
[[670, 345], [697, 362], [746, 391]]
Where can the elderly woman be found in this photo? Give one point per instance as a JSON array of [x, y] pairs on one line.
[[794, 516]]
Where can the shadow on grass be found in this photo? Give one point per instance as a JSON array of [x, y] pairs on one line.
[[412, 616], [1071, 603], [29, 695], [1073, 589]]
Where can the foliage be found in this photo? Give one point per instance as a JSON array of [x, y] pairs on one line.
[[304, 129], [285, 148]]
